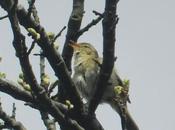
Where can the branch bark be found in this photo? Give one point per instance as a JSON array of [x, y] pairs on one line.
[[73, 27], [50, 124], [87, 27], [14, 90], [65, 118], [109, 26], [10, 122], [19, 45], [53, 57]]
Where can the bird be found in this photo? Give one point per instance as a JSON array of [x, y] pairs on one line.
[[86, 69]]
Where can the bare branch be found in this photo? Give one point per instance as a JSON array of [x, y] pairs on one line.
[[3, 17], [7, 5], [108, 23], [32, 10], [38, 54], [14, 111], [97, 13], [73, 27], [50, 124], [31, 6], [15, 90], [86, 28], [53, 57], [40, 98], [10, 122], [52, 86], [58, 35], [19, 45], [56, 62], [42, 65], [31, 48]]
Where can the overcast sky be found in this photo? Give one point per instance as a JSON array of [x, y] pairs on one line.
[[145, 47]]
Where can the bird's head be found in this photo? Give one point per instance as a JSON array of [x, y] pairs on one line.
[[84, 50]]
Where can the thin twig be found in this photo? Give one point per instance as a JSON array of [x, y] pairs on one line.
[[86, 28], [38, 54], [42, 66], [32, 10], [52, 86], [13, 114], [31, 4], [3, 17], [9, 121], [31, 48], [50, 124], [97, 13], [14, 111], [58, 35]]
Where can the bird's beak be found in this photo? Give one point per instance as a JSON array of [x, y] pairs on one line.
[[74, 45]]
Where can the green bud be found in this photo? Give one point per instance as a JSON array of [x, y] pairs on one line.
[[2, 75], [118, 90], [69, 105], [51, 35], [34, 34]]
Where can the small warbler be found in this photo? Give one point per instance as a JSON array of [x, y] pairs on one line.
[[86, 70]]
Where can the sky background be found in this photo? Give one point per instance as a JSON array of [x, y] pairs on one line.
[[144, 46]]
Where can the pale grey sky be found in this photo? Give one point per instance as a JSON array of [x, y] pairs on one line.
[[145, 49]]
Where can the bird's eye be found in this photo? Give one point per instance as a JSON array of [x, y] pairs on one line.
[[86, 46], [77, 53]]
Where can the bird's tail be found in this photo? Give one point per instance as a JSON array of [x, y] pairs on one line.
[[127, 121]]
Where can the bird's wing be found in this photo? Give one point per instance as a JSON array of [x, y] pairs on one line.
[[114, 79]]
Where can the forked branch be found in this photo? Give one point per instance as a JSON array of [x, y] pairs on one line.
[[109, 27]]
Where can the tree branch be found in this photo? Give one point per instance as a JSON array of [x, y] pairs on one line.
[[43, 103], [53, 57], [32, 10], [50, 124], [73, 27], [31, 6], [3, 17], [14, 111], [10, 122], [14, 90], [21, 51], [59, 34], [20, 47], [87, 27], [31, 48], [109, 24]]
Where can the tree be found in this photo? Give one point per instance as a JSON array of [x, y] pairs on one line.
[[66, 107]]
